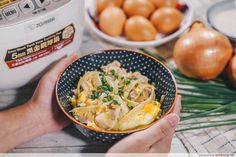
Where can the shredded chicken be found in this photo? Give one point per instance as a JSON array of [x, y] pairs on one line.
[[114, 99]]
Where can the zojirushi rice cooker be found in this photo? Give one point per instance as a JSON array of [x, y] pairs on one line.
[[34, 34]]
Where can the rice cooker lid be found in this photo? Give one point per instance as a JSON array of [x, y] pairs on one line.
[[17, 11]]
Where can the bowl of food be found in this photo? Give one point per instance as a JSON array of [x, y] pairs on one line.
[[111, 93], [138, 23], [217, 14]]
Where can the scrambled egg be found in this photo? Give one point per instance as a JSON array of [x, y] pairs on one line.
[[82, 97], [140, 116], [114, 99]]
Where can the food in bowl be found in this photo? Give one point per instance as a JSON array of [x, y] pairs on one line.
[[138, 28], [167, 19], [165, 3], [114, 99], [107, 18], [138, 7], [102, 4], [131, 60], [163, 20]]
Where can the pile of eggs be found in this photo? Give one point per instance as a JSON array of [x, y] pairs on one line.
[[138, 20]]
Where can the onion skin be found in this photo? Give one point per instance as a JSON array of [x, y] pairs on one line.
[[166, 19], [164, 3], [103, 4], [138, 7], [112, 21], [202, 53], [232, 71], [138, 28]]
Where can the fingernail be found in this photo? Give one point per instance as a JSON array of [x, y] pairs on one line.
[[179, 97], [173, 119]]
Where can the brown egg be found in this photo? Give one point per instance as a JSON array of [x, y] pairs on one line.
[[138, 7], [138, 28], [164, 3], [112, 20], [102, 4], [166, 19]]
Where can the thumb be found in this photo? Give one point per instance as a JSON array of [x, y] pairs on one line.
[[164, 128]]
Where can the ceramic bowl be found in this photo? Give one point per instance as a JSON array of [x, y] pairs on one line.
[[217, 8], [161, 39], [130, 60]]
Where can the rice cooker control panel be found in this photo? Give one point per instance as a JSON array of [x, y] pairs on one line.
[[13, 11]]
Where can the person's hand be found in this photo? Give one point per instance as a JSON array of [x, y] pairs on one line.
[[40, 115], [43, 103], [156, 139]]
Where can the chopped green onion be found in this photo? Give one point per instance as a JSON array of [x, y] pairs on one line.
[[103, 79], [126, 94], [155, 84], [113, 72], [95, 95], [92, 97], [104, 100], [104, 88], [110, 88], [130, 105], [101, 74], [107, 98], [127, 82], [115, 102], [120, 90]]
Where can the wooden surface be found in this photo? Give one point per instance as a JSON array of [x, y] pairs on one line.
[[70, 140]]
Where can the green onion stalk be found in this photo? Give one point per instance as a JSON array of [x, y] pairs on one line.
[[205, 104]]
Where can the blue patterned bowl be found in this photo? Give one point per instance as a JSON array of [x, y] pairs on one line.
[[130, 60]]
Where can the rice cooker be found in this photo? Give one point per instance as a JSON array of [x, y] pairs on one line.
[[34, 34]]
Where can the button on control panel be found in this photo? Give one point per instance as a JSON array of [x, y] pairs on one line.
[[23, 9], [42, 3], [10, 13], [26, 6]]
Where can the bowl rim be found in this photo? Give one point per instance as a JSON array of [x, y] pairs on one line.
[[210, 20], [110, 131]]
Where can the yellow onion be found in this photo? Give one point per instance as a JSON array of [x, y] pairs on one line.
[[138, 7], [112, 21], [232, 71], [164, 3], [166, 19], [138, 28], [103, 4], [202, 53]]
